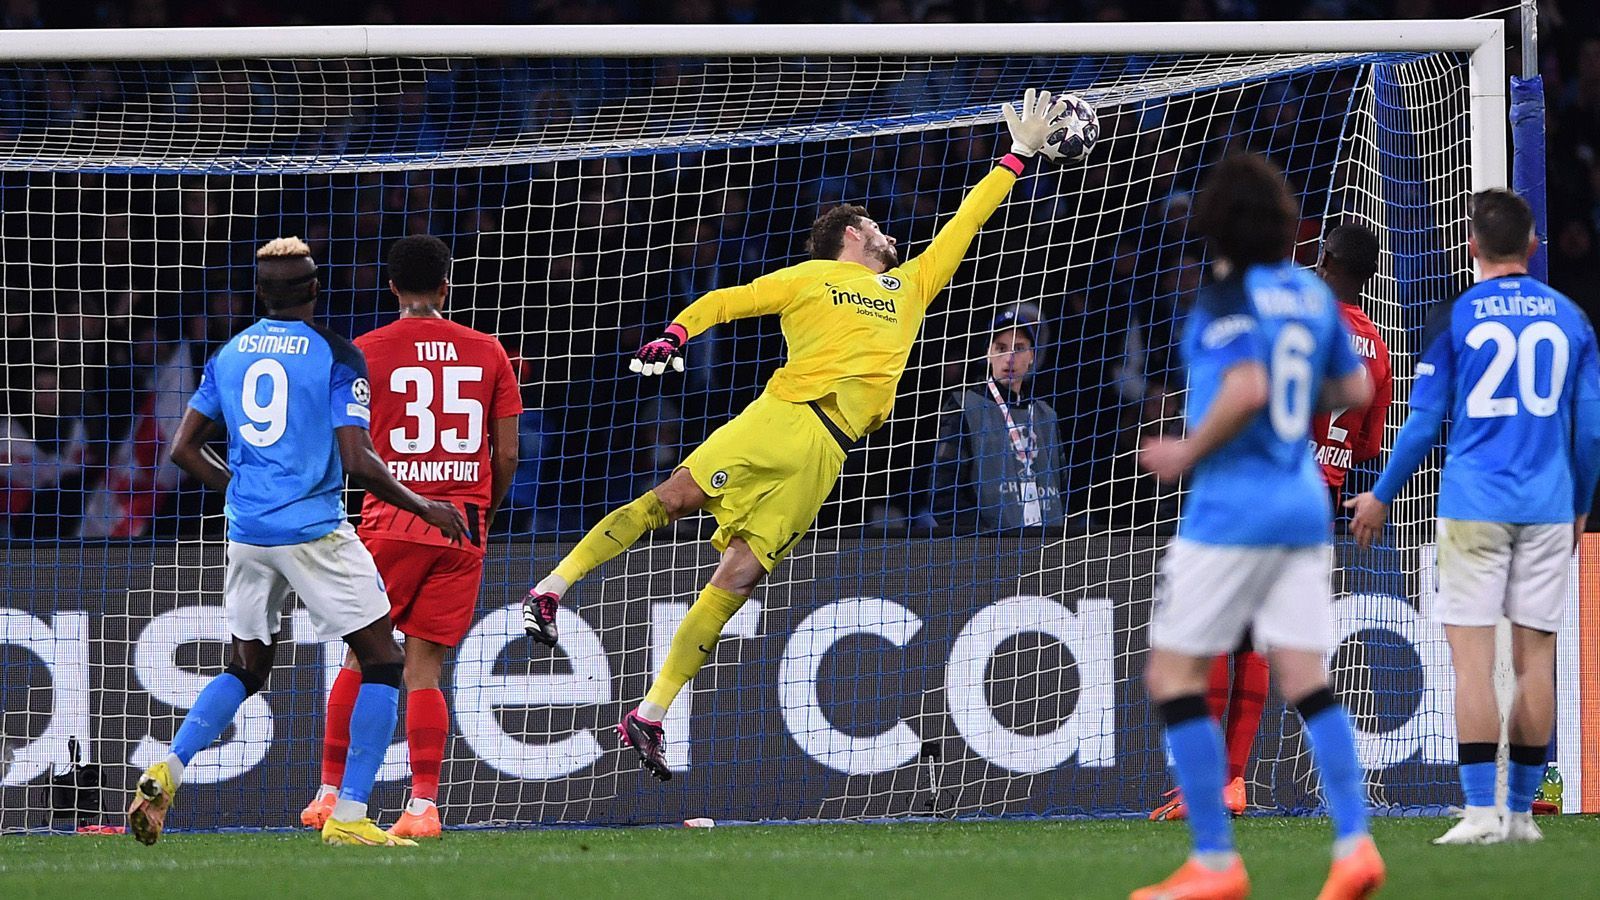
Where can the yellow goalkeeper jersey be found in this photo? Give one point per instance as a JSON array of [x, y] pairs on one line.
[[849, 330]]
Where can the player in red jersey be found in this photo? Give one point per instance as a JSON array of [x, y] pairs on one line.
[[1347, 436], [444, 419]]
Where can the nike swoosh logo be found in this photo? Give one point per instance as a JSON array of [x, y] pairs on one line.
[[703, 648], [613, 540]]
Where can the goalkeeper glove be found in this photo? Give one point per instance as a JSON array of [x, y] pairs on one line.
[[1031, 128], [654, 357]]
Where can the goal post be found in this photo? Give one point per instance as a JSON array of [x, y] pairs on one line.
[[906, 659]]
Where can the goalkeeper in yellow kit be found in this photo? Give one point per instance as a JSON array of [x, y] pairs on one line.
[[849, 317]]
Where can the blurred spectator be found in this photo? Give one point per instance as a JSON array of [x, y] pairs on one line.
[[998, 462], [42, 460]]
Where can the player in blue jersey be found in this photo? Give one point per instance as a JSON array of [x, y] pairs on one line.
[[1513, 366], [1264, 347], [292, 399]]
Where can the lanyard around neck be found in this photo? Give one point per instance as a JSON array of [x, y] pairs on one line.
[[1021, 443]]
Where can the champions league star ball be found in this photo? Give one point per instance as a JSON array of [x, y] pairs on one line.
[[1074, 133]]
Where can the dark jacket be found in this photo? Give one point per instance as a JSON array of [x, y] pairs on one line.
[[977, 480]]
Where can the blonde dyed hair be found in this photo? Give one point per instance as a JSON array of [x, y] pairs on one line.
[[284, 248]]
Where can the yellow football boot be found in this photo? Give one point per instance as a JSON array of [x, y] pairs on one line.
[[361, 833], [152, 797]]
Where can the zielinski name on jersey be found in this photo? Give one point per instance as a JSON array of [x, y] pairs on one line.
[[1515, 305], [419, 470]]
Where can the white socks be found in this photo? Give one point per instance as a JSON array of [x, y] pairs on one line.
[[349, 810], [175, 766], [651, 712], [552, 584], [417, 807]]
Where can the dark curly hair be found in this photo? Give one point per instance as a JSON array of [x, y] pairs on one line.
[[419, 264], [1245, 211], [827, 232]]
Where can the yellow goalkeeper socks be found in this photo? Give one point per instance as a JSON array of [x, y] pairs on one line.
[[612, 535], [691, 646]]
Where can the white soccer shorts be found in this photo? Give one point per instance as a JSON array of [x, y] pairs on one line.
[[1209, 595], [1490, 569], [334, 576]]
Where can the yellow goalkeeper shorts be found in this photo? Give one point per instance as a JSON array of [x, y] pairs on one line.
[[767, 472]]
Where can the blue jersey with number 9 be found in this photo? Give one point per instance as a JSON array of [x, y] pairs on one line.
[[1507, 361], [1263, 487], [281, 387]]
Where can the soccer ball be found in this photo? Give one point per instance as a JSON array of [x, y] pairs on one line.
[[1074, 133]]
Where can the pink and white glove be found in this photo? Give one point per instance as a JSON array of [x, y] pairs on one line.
[[654, 357]]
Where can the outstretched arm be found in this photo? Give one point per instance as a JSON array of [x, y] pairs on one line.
[[933, 268], [764, 296]]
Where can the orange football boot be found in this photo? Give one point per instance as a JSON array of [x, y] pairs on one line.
[[418, 825], [1193, 881], [1172, 810], [1235, 797], [1357, 876], [316, 813]]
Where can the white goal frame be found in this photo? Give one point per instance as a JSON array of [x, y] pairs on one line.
[[1484, 39]]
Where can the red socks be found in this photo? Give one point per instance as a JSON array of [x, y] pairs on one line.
[[336, 732], [1221, 687], [427, 726], [1243, 700]]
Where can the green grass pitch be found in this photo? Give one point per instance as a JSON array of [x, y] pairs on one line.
[[985, 860]]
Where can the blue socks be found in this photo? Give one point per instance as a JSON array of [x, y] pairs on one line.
[[371, 728], [1198, 759], [1333, 746], [1478, 772], [213, 711], [1527, 771]]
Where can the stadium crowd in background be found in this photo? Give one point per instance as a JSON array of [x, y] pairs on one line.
[[95, 358]]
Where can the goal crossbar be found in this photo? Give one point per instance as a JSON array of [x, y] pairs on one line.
[[305, 42]]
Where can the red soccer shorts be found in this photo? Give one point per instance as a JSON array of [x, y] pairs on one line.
[[433, 590]]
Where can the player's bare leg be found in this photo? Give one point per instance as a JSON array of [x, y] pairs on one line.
[[1478, 731], [692, 644], [427, 728], [157, 788], [1533, 657], [663, 504]]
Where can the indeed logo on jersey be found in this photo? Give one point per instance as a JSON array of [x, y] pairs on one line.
[[293, 344], [871, 306]]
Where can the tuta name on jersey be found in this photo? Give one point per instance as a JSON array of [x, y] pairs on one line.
[[293, 344], [436, 351], [415, 470], [1515, 305]]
